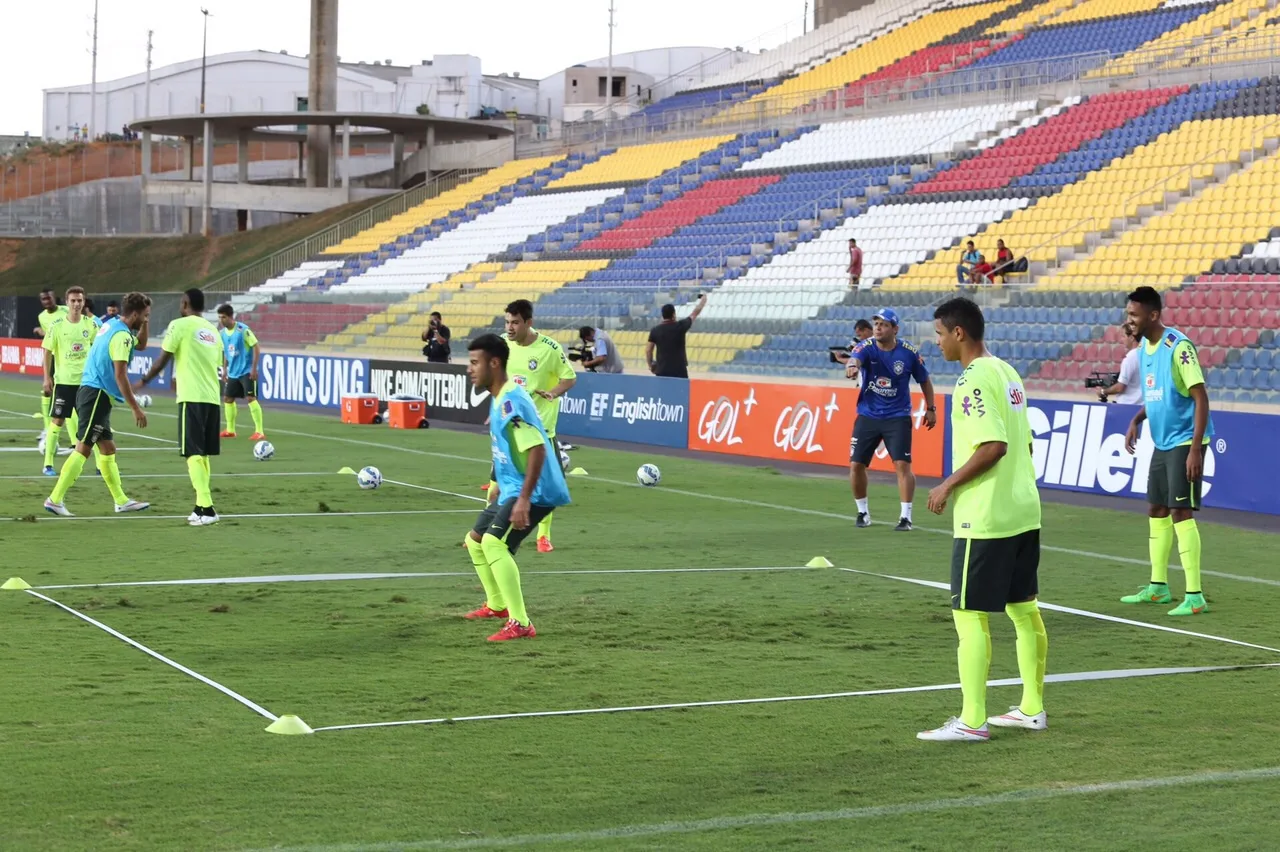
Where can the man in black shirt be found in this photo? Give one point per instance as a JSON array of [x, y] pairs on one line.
[[437, 339], [668, 336]]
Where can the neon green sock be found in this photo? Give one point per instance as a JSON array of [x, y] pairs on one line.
[[544, 527], [492, 594], [1033, 652], [51, 444], [974, 656], [1189, 550], [67, 477], [507, 576], [46, 406], [1160, 546], [111, 476], [255, 411], [198, 470], [230, 409], [73, 429]]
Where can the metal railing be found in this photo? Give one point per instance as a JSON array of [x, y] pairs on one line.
[[305, 249]]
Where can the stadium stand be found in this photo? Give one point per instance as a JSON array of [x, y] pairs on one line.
[[1211, 19]]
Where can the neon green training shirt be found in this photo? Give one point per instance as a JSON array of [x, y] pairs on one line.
[[990, 404], [540, 366], [69, 344], [46, 319], [197, 356]]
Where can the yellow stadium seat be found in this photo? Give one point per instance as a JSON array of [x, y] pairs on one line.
[[639, 162]]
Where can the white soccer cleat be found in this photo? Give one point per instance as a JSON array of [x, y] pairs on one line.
[[132, 506], [955, 731], [202, 520], [59, 509], [193, 518], [1015, 718]]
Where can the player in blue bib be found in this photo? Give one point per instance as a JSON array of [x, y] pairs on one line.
[[886, 366], [1175, 405], [528, 485], [242, 355]]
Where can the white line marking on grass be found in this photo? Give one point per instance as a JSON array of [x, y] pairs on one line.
[[118, 432], [759, 820], [1073, 611], [118, 449], [319, 578], [146, 516], [261, 711], [435, 490], [1070, 677], [181, 475]]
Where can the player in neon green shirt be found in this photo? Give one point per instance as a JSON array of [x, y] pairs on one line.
[[996, 511], [67, 340], [192, 342], [538, 364], [51, 312]]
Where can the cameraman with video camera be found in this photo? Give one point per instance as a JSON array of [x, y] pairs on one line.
[[437, 339], [596, 352], [1126, 386], [862, 331]]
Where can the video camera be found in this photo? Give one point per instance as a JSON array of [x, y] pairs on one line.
[[583, 352], [1101, 381], [834, 351]]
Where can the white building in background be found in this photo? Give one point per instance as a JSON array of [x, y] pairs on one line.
[[451, 86]]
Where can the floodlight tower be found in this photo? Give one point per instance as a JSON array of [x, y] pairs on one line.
[[322, 86]]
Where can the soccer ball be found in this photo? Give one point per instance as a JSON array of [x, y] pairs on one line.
[[648, 475], [564, 460], [263, 450], [369, 478], [144, 400]]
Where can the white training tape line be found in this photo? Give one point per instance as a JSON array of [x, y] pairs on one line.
[[145, 516], [117, 431], [261, 711], [1114, 674], [118, 450], [1084, 612], [435, 490], [315, 578], [592, 838], [181, 475]]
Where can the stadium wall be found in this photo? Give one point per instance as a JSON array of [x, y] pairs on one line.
[[1077, 446]]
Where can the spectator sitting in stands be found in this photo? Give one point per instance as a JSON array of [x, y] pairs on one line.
[[968, 261], [981, 271], [1006, 264]]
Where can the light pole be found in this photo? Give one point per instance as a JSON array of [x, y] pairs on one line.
[[93, 84], [204, 54]]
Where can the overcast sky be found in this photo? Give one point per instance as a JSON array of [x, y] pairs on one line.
[[48, 43]]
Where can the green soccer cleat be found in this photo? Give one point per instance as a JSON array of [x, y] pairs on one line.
[[1191, 605], [1150, 593]]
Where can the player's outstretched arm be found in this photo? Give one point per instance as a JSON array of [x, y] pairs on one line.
[[157, 367], [930, 404], [126, 390], [533, 469]]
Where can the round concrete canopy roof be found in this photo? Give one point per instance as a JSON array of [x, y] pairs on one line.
[[257, 126]]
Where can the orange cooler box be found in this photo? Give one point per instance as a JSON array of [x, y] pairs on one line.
[[407, 412], [359, 408]]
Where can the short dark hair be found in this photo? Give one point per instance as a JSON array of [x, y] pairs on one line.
[[195, 298], [437, 315], [1148, 297], [852, 240], [46, 290], [522, 308], [113, 304], [962, 313], [76, 288], [668, 311], [586, 330], [862, 324], [969, 242], [226, 310], [492, 345]]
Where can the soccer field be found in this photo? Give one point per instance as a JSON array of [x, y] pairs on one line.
[[801, 688]]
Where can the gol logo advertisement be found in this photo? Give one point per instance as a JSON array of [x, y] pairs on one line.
[[801, 423]]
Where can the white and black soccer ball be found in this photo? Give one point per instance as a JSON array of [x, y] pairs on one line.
[[564, 460], [648, 475], [144, 400], [369, 478], [262, 451]]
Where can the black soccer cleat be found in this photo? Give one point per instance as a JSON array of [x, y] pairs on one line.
[[904, 525], [864, 520]]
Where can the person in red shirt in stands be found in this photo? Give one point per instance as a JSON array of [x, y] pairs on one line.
[[855, 263], [1004, 260], [981, 272]]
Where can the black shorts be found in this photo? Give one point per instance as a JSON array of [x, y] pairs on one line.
[[93, 408], [495, 519], [987, 573], [240, 388], [868, 432], [1167, 483], [199, 425], [63, 401]]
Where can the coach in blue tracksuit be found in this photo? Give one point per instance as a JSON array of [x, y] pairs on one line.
[[886, 366]]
